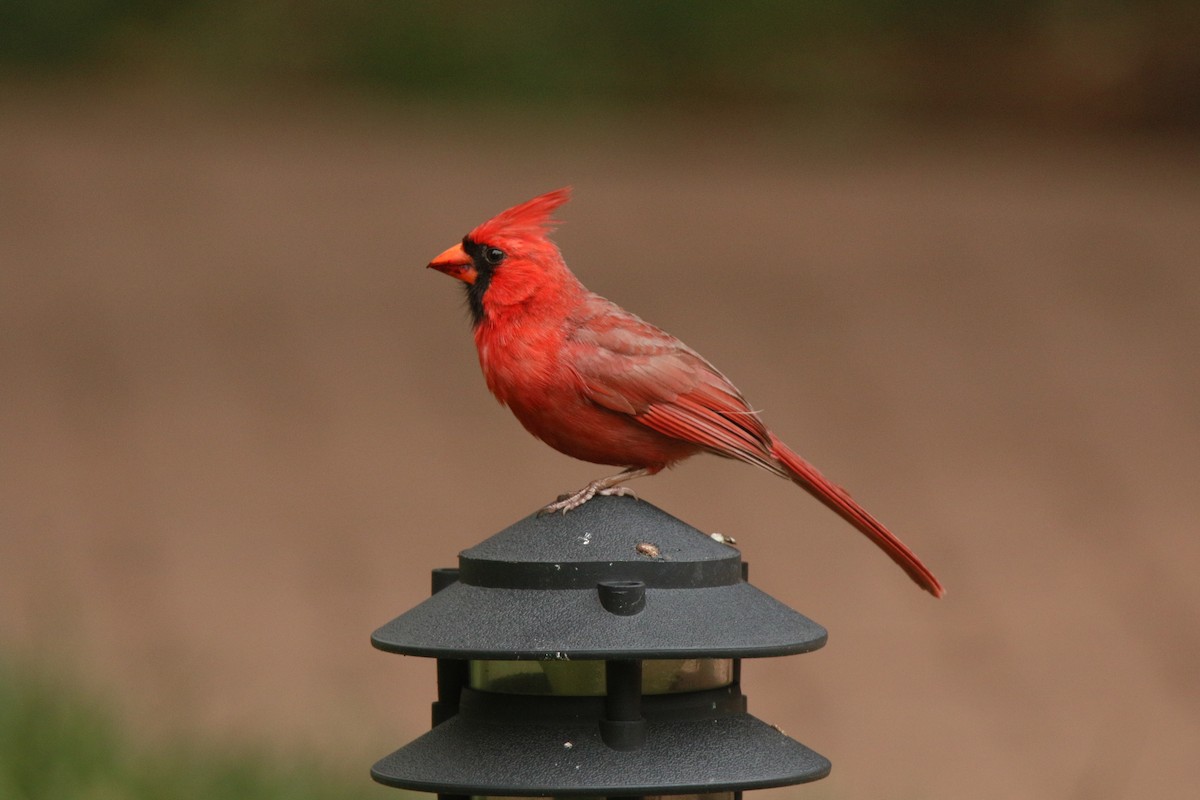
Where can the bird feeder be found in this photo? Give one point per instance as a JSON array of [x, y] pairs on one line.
[[597, 653]]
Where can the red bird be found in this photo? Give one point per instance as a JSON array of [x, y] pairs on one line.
[[595, 382]]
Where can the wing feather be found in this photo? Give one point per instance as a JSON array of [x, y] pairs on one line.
[[627, 365]]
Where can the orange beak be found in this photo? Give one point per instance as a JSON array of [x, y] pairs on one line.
[[456, 263]]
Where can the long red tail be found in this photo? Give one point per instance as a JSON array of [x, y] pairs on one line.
[[836, 498]]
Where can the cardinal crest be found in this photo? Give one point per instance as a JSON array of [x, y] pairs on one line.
[[531, 218]]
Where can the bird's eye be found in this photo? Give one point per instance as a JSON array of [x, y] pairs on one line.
[[493, 255]]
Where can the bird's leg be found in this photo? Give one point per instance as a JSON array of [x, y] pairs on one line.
[[605, 486]]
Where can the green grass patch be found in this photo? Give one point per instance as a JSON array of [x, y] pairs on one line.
[[57, 743]]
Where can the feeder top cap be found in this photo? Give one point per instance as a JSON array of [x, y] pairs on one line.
[[607, 538]]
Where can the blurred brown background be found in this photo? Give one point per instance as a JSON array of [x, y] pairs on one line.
[[958, 266]]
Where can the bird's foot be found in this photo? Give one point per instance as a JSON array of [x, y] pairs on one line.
[[619, 491], [570, 502], [605, 486]]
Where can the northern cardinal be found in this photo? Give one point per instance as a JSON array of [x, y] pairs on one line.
[[596, 382]]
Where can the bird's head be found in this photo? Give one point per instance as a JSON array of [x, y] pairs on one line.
[[509, 258]]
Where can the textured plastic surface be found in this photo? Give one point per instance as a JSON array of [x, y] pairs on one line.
[[499, 745], [696, 604], [578, 549]]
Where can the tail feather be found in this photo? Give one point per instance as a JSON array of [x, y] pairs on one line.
[[837, 499]]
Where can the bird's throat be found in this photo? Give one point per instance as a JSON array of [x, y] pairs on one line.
[[475, 293]]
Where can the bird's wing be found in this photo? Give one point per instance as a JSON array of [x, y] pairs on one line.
[[629, 366]]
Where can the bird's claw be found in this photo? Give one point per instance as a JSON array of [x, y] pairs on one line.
[[570, 502]]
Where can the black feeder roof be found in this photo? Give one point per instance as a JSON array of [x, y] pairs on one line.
[[721, 748], [530, 592]]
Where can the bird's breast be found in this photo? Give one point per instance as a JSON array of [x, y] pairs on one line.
[[530, 374]]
